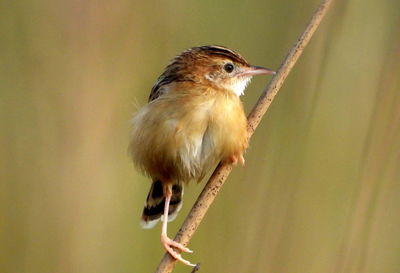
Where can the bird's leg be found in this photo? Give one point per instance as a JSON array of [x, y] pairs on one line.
[[165, 240]]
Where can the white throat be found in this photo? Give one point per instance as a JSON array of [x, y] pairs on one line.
[[239, 85], [236, 85]]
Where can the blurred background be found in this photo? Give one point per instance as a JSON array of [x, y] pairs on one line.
[[320, 190]]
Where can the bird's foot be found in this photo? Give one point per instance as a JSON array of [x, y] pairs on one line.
[[235, 159], [168, 244]]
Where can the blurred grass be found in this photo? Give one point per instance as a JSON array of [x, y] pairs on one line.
[[318, 193]]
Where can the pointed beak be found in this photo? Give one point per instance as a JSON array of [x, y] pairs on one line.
[[258, 70]]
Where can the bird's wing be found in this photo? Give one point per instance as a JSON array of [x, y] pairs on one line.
[[162, 85], [159, 87], [156, 92]]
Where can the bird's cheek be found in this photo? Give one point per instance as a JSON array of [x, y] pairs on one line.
[[209, 77]]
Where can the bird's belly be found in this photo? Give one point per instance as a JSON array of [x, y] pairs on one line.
[[195, 149]]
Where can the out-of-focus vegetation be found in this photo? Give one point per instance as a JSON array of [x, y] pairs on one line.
[[319, 193]]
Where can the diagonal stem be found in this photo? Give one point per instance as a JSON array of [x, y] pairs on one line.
[[222, 171]]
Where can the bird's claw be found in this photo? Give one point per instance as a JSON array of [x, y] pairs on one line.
[[168, 244], [235, 159]]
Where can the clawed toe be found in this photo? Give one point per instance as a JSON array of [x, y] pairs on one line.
[[235, 159], [241, 160], [179, 246], [168, 244]]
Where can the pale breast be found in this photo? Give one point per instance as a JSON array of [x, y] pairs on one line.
[[183, 137]]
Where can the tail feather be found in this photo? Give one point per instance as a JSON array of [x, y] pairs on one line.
[[155, 202]]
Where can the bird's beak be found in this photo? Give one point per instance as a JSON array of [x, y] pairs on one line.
[[258, 70]]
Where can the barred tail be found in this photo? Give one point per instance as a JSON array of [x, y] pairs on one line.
[[155, 201]]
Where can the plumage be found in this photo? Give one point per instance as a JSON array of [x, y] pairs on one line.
[[188, 133], [194, 119], [155, 201]]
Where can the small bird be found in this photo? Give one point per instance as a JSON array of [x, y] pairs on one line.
[[193, 121]]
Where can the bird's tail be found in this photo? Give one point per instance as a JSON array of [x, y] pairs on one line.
[[155, 201]]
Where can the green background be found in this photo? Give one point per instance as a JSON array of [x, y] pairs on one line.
[[320, 189]]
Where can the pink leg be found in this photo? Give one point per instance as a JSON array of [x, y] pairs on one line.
[[165, 240]]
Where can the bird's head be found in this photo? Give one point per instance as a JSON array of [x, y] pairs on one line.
[[212, 66]]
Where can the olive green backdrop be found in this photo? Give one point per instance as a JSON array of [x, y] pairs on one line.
[[320, 190]]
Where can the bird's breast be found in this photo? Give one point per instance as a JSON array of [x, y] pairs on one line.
[[183, 136]]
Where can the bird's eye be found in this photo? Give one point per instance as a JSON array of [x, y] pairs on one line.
[[228, 67]]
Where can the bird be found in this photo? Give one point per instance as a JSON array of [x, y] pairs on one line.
[[194, 119]]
